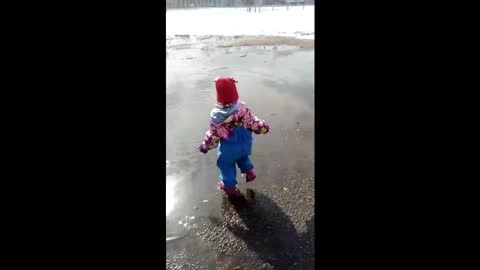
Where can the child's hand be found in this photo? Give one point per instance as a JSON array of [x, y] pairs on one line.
[[201, 149]]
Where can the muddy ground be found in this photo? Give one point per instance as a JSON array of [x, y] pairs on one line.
[[273, 227]]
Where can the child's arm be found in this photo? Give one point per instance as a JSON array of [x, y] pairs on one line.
[[257, 125], [210, 141]]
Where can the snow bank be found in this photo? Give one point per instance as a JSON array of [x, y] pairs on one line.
[[294, 22]]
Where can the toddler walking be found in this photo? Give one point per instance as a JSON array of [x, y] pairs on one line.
[[231, 127]]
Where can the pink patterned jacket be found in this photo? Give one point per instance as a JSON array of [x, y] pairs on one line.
[[240, 117]]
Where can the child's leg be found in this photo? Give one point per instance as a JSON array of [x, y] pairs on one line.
[[244, 164], [227, 172], [246, 167]]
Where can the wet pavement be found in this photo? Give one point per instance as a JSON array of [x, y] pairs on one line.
[[273, 227]]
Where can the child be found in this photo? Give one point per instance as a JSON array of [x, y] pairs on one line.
[[231, 126]]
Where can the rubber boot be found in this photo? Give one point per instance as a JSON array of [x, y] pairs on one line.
[[231, 191], [250, 175]]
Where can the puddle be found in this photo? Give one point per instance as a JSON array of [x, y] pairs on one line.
[[171, 194], [277, 84]]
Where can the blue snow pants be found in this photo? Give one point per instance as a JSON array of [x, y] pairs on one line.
[[234, 150]]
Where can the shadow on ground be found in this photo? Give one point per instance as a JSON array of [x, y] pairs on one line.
[[268, 232]]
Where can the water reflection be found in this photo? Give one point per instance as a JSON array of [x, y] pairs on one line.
[[171, 188]]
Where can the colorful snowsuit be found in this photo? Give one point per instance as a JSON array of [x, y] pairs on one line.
[[231, 127]]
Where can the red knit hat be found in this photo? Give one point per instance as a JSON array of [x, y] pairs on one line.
[[226, 90]]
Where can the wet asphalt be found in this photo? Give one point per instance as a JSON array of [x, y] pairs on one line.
[[272, 225]]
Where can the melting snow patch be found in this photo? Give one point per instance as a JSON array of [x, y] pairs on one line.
[[294, 22]]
